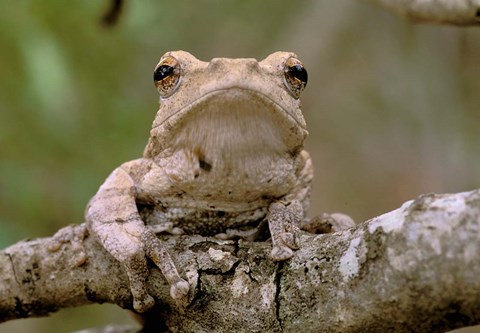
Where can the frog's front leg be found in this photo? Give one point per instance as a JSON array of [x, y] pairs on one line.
[[112, 216], [284, 217]]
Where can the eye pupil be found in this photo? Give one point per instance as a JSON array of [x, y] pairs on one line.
[[299, 72], [162, 72]]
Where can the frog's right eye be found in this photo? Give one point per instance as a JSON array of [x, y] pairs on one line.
[[167, 76]]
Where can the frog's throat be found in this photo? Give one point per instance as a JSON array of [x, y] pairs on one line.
[[229, 120]]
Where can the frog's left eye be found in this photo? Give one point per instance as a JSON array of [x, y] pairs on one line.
[[296, 76], [167, 76]]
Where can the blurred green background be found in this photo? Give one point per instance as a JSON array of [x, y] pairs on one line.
[[392, 107]]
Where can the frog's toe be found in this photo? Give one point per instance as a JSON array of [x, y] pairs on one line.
[[143, 304], [290, 239], [179, 289], [281, 253]]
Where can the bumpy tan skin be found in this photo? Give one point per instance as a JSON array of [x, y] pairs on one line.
[[225, 152]]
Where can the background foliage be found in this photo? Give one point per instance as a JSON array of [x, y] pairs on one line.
[[392, 107]]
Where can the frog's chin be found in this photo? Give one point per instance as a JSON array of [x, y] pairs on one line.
[[233, 121]]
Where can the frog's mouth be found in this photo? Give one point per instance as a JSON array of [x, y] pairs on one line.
[[233, 120]]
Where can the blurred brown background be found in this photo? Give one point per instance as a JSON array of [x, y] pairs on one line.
[[392, 107]]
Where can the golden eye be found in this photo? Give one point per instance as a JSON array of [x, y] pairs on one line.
[[296, 76], [167, 76]]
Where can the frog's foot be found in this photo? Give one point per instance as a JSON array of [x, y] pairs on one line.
[[283, 219], [135, 263], [326, 223], [142, 301], [73, 234], [131, 243], [156, 251]]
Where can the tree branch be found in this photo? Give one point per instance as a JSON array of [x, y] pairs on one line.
[[456, 12], [415, 269]]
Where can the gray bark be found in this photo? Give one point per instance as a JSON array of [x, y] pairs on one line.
[[457, 12], [415, 269]]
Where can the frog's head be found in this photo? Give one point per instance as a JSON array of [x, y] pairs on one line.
[[228, 104]]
